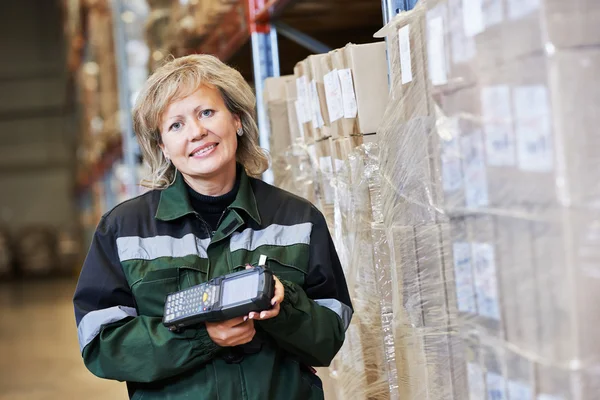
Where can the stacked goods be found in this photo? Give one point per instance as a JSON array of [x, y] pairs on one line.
[[327, 115], [490, 175], [468, 225]]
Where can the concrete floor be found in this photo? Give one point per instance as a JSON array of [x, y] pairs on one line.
[[39, 352]]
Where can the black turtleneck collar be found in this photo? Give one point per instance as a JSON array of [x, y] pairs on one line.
[[211, 208]]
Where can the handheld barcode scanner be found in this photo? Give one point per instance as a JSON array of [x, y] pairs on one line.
[[220, 299]]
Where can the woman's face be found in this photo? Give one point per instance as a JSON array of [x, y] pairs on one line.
[[199, 134]]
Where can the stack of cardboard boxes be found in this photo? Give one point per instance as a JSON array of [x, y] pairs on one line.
[[333, 104], [493, 125], [470, 226]]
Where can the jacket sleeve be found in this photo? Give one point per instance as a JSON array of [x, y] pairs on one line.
[[115, 342], [313, 319]]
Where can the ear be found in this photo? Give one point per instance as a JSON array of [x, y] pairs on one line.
[[164, 150], [237, 121]]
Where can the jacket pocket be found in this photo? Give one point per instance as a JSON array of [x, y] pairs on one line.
[[286, 272], [191, 276], [151, 291]]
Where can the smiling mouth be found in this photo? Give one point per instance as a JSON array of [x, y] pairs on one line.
[[204, 150]]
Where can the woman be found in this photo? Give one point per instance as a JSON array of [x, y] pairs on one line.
[[206, 217]]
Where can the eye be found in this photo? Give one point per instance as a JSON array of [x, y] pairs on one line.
[[206, 113], [175, 126]]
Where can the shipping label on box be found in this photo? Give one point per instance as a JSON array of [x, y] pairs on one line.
[[437, 45], [473, 157]]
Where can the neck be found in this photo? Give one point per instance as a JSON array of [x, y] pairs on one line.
[[220, 183]]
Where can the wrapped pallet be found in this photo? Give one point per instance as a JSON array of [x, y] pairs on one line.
[[488, 150]]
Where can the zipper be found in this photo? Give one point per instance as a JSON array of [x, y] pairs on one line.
[[220, 218], [205, 225]]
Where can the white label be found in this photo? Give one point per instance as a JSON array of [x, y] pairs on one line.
[[405, 59], [350, 108], [475, 176], [493, 12], [472, 17], [333, 95], [262, 260], [463, 276], [300, 116], [463, 48], [496, 386], [339, 165], [436, 51], [519, 391], [317, 117], [533, 128], [476, 382], [486, 284], [520, 8], [498, 126], [452, 174], [544, 396], [303, 98]]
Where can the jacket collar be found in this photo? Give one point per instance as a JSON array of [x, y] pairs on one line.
[[174, 201]]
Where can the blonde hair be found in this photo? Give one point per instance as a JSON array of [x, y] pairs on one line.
[[178, 79]]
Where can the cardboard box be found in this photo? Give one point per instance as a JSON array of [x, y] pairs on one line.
[[326, 170], [406, 293], [411, 363], [532, 26], [462, 261], [321, 120], [485, 262], [341, 94], [408, 74], [368, 65], [332, 92], [276, 88], [521, 376], [431, 276], [475, 370], [275, 98], [517, 282], [566, 255], [409, 192], [439, 365], [303, 107]]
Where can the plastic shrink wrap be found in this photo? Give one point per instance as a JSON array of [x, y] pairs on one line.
[[469, 225], [489, 174]]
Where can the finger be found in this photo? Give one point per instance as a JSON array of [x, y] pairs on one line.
[[279, 292], [248, 266], [272, 313], [253, 315], [234, 322], [243, 339]]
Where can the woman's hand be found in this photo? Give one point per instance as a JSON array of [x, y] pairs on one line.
[[233, 332], [275, 302]]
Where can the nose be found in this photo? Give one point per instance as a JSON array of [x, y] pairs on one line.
[[197, 131]]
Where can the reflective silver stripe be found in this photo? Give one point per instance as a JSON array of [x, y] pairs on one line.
[[273, 235], [90, 325], [137, 248], [342, 310]]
